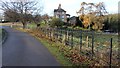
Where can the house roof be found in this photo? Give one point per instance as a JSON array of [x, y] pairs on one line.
[[59, 10], [67, 14], [73, 17]]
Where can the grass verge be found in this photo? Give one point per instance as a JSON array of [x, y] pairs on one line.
[[55, 51], [3, 35]]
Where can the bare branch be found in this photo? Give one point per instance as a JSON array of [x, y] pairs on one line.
[[25, 9]]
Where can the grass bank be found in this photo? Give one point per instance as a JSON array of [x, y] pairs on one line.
[[55, 51]]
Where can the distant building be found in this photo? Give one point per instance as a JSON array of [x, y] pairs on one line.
[[74, 21], [61, 13]]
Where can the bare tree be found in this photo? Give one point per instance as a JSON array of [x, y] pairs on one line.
[[25, 9], [37, 19], [11, 15]]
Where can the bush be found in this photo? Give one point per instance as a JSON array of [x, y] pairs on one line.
[[56, 22]]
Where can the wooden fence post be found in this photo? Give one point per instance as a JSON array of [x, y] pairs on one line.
[[92, 43], [69, 37], [57, 32], [72, 38], [65, 37], [110, 53], [49, 33], [81, 40], [52, 37], [61, 35], [87, 41]]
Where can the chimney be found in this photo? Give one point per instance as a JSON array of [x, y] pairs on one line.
[[59, 6]]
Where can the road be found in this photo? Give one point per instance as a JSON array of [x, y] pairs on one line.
[[21, 49]]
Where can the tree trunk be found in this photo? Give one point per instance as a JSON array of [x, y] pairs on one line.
[[24, 25]]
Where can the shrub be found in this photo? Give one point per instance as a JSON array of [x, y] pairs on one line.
[[56, 22]]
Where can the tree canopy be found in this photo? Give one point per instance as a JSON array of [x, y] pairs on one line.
[[92, 14], [22, 10]]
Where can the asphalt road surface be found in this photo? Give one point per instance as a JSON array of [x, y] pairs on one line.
[[21, 49]]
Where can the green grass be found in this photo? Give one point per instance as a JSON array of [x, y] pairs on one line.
[[43, 24], [55, 52], [31, 25]]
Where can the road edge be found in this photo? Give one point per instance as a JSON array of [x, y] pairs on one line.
[[5, 37]]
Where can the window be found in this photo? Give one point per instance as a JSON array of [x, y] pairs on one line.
[[62, 16], [63, 13]]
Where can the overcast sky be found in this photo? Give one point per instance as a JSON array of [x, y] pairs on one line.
[[71, 6]]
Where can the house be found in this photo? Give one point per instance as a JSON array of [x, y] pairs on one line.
[[74, 21], [61, 13]]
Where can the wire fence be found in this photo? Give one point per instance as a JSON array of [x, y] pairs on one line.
[[100, 47], [103, 48]]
